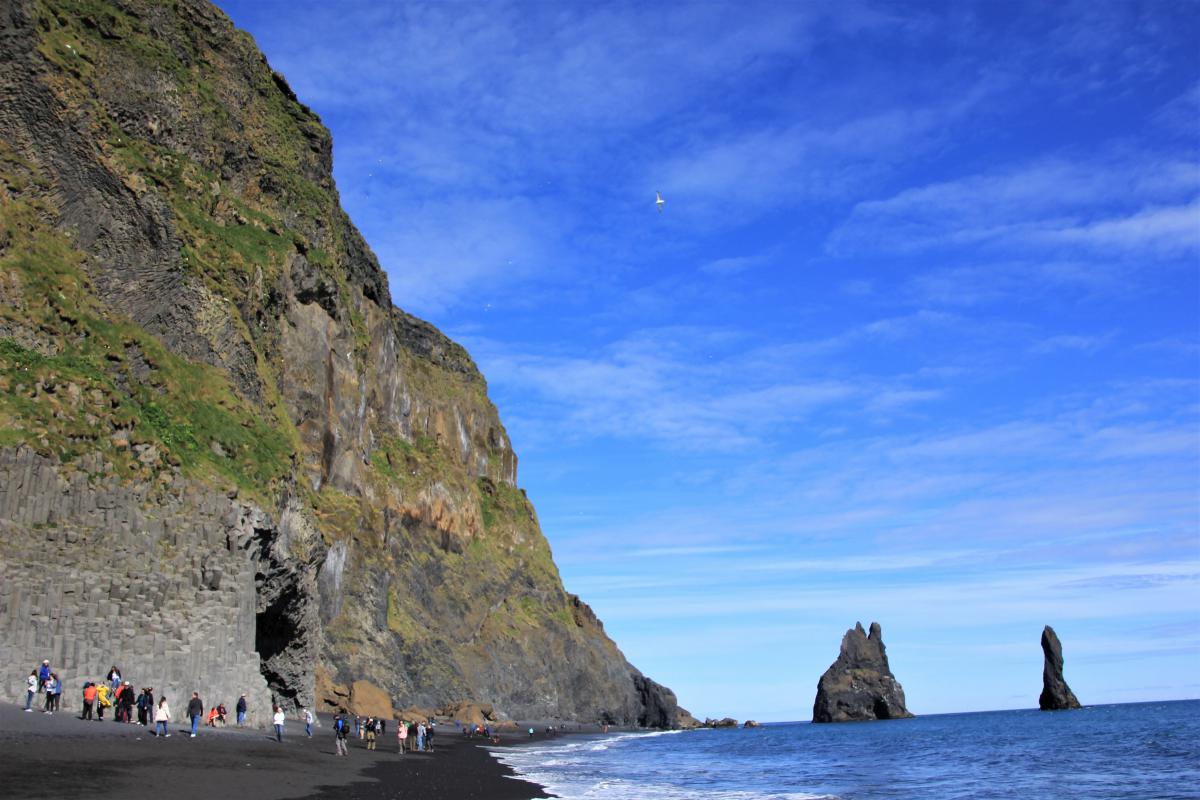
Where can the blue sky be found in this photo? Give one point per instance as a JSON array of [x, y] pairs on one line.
[[916, 338]]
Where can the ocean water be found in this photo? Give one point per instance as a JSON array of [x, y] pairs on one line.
[[1144, 750]]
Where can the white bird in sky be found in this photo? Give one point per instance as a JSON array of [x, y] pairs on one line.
[[659, 201]]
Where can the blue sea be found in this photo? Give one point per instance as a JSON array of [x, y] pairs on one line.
[[1144, 750]]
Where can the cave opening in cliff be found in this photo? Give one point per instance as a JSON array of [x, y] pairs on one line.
[[881, 709], [277, 628]]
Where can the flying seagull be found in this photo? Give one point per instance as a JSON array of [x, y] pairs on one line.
[[659, 201]]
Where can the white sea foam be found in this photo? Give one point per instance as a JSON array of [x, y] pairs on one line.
[[582, 769]]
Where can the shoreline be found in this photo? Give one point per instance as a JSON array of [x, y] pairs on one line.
[[58, 755]]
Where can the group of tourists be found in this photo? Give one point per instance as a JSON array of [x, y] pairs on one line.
[[411, 737], [118, 694], [43, 680]]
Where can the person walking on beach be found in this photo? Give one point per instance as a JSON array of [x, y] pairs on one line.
[[162, 718], [89, 700], [145, 704], [429, 737], [369, 728], [308, 721], [402, 736], [195, 710], [125, 700], [339, 734], [241, 710], [421, 737], [278, 721], [31, 688]]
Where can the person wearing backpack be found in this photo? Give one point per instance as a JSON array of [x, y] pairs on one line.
[[339, 734]]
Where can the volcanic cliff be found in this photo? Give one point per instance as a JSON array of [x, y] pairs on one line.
[[227, 461]]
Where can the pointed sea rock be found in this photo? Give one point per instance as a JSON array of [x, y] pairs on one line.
[[1056, 695], [859, 685]]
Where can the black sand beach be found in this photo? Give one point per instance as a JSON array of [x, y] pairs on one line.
[[60, 756]]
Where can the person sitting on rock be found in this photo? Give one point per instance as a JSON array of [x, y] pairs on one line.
[[221, 713], [212, 717]]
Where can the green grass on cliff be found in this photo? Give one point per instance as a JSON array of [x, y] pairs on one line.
[[79, 392], [224, 234]]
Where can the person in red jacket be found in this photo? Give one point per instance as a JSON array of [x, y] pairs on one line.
[[89, 700]]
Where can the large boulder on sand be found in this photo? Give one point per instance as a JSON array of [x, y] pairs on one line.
[[368, 700], [859, 685], [470, 713]]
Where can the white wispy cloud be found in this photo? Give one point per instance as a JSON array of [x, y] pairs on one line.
[[1051, 201], [1168, 229]]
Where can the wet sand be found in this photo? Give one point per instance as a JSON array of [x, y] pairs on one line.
[[60, 756]]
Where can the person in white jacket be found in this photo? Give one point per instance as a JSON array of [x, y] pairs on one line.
[[162, 716], [278, 720], [31, 687]]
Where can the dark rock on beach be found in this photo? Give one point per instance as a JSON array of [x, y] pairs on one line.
[[859, 685], [727, 722], [1056, 695]]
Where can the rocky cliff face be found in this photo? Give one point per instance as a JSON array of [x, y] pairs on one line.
[[246, 466], [859, 685], [1056, 695]]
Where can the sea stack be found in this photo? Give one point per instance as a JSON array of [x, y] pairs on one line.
[[859, 685], [1056, 695]]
